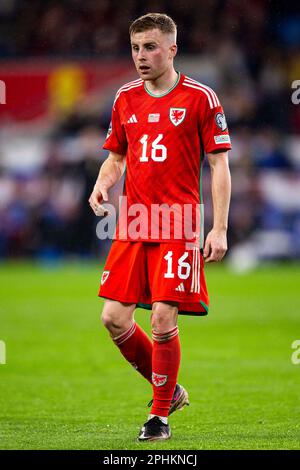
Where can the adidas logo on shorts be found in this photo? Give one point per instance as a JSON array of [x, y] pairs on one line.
[[180, 288]]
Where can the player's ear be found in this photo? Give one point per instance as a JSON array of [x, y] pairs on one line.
[[173, 51]]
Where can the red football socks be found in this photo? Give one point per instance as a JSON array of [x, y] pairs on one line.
[[136, 347], [158, 362], [165, 366]]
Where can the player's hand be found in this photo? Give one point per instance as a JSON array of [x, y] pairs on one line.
[[215, 245], [99, 194]]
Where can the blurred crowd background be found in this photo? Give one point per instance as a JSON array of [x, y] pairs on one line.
[[62, 61]]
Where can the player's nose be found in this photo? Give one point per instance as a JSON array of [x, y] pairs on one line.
[[141, 55]]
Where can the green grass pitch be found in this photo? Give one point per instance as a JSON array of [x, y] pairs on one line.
[[66, 386]]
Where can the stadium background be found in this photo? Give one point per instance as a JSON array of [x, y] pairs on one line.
[[61, 63]]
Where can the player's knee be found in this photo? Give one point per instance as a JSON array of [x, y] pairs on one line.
[[160, 324], [115, 321], [106, 320], [163, 318], [111, 321], [117, 317]]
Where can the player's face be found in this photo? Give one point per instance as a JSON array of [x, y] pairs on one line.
[[153, 53]]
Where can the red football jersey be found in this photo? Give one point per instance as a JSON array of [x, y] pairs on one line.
[[164, 139]]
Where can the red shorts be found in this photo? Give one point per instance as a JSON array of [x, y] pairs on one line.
[[143, 273]]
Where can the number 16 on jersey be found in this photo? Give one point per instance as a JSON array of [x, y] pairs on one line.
[[158, 151]]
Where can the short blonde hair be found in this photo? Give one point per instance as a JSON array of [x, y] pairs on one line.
[[150, 21]]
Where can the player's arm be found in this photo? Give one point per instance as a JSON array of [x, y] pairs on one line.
[[109, 174], [216, 241]]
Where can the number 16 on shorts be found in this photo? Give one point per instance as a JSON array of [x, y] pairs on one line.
[[186, 267]]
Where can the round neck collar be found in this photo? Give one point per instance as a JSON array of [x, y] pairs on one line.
[[166, 92]]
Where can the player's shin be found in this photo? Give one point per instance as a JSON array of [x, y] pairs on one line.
[[136, 346], [165, 366]]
